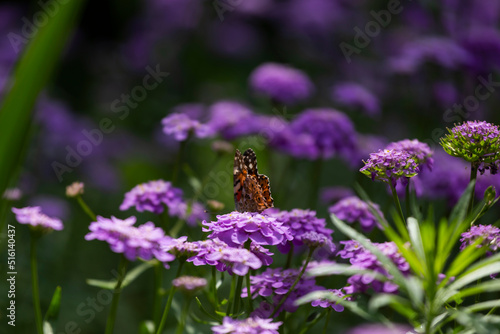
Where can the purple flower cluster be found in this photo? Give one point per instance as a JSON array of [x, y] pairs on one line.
[[232, 119], [300, 222], [217, 253], [421, 152], [152, 196], [319, 133], [253, 325], [276, 282], [324, 303], [390, 166], [33, 216], [489, 233], [281, 83], [145, 241], [352, 209], [361, 258], [354, 95], [236, 228], [181, 125], [189, 284]]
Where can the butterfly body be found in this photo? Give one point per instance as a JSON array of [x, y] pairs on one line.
[[252, 191]]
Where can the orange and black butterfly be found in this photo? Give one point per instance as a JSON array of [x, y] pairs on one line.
[[252, 192]]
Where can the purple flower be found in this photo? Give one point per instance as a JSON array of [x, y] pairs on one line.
[[364, 259], [324, 303], [236, 228], [33, 216], [489, 233], [319, 133], [390, 166], [334, 194], [180, 247], [239, 260], [281, 83], [152, 196], [180, 126], [380, 329], [354, 95], [352, 209], [189, 284], [51, 206], [351, 249], [253, 325], [195, 111], [192, 214], [12, 194], [420, 151], [314, 240], [233, 119], [300, 222], [145, 241]]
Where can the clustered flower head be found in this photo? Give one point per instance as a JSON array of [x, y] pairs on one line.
[[253, 325], [276, 282], [319, 134], [189, 284], [75, 189], [300, 222], [232, 119], [361, 258], [356, 96], [489, 233], [281, 83], [180, 125], [145, 241], [152, 196], [12, 194], [352, 209], [236, 228], [390, 166], [32, 215], [421, 152], [473, 141]]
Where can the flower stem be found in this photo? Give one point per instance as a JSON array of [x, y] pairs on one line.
[[213, 288], [86, 208], [122, 268], [169, 302], [396, 201], [237, 295], [250, 304], [309, 256], [158, 280], [473, 176], [231, 295], [178, 161], [407, 198], [328, 313], [182, 322], [289, 256], [34, 282]]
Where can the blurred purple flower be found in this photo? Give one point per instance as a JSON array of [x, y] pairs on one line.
[[324, 303], [253, 325], [152, 196], [445, 93], [352, 209], [354, 95], [33, 216], [281, 83], [319, 133], [380, 329], [390, 166], [334, 194], [234, 39], [12, 194], [189, 284], [483, 43], [51, 206], [236, 228], [420, 151], [195, 111], [313, 16], [489, 233], [194, 215], [233, 119], [180, 126]]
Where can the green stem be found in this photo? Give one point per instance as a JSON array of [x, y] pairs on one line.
[[289, 256], [309, 256], [182, 322], [407, 198], [312, 323], [158, 284], [318, 166], [178, 161], [231, 295], [250, 304], [396, 202], [328, 313], [169, 302], [237, 295], [86, 208], [122, 268], [34, 282], [213, 288], [473, 176]]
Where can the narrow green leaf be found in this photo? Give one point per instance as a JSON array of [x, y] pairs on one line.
[[399, 304], [416, 239], [129, 277], [55, 304], [488, 286], [459, 211], [147, 327], [217, 316], [465, 258], [442, 240], [343, 269], [31, 75]]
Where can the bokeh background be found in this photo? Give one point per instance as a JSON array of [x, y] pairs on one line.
[[403, 76]]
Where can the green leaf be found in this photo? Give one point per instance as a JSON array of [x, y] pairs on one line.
[[465, 258], [31, 75], [399, 304], [55, 305], [459, 211], [129, 277], [343, 269], [217, 317], [488, 286], [147, 327], [416, 239]]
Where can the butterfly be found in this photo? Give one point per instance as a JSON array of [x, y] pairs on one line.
[[252, 192]]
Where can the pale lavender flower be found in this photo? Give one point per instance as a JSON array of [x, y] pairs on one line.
[[324, 303], [253, 325], [189, 284], [354, 95], [33, 216], [489, 233], [152, 196], [352, 209], [236, 228], [390, 166], [281, 83], [232, 119], [12, 194], [180, 126], [75, 189]]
